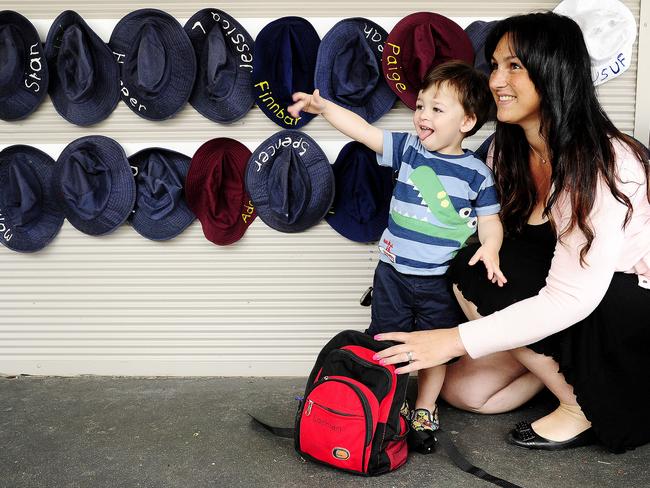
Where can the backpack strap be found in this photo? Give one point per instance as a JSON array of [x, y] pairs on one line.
[[461, 461], [277, 431], [443, 440]]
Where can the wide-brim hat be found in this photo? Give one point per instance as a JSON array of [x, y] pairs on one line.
[[160, 212], [29, 215], [85, 81], [477, 32], [417, 43], [157, 63], [362, 196], [290, 181], [609, 30], [223, 91], [284, 63], [348, 68], [24, 78], [216, 192], [94, 184]]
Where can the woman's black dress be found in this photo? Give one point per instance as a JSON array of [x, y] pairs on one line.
[[605, 357]]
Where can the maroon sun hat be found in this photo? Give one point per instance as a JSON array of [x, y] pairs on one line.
[[419, 42], [215, 191]]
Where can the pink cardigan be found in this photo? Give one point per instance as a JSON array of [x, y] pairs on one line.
[[572, 292]]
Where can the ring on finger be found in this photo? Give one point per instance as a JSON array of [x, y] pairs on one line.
[[409, 355]]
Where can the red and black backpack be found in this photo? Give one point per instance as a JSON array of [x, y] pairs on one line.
[[349, 417]]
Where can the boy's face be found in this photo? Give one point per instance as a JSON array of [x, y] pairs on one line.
[[440, 120]]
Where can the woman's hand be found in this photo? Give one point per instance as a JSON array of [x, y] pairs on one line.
[[490, 258], [304, 102], [427, 348]]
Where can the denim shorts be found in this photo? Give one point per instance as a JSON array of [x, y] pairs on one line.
[[404, 303]]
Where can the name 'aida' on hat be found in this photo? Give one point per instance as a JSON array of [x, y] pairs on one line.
[[348, 68], [24, 76], [84, 84], [216, 192], [419, 42], [160, 212], [290, 181], [94, 184], [363, 190], [224, 51], [157, 63], [284, 63], [609, 29], [29, 215]]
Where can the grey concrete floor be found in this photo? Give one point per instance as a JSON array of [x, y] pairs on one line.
[[195, 432]]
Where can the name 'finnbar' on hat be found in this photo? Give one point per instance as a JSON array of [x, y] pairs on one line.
[[273, 106]]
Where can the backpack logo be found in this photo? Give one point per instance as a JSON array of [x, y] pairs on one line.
[[341, 453]]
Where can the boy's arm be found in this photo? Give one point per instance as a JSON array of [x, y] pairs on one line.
[[340, 118], [490, 231]]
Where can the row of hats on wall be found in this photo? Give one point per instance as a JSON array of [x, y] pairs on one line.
[[156, 65], [287, 181]]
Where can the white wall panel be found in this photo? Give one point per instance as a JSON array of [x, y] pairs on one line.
[[123, 305]]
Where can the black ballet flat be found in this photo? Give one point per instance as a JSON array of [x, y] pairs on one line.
[[523, 435]]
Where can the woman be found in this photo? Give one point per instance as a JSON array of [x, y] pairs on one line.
[[576, 209]]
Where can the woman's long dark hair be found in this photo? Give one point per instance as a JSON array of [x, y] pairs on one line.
[[576, 128]]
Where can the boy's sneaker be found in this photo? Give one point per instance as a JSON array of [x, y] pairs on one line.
[[421, 437]]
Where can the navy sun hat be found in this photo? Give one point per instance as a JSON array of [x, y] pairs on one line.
[[284, 63], [29, 215], [94, 184], [23, 68], [363, 192], [348, 68], [224, 51], [157, 63], [85, 82], [290, 181], [477, 32], [160, 211]]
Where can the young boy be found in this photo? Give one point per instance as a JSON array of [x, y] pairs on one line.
[[440, 193]]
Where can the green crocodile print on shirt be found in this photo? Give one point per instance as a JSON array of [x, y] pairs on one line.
[[433, 194]]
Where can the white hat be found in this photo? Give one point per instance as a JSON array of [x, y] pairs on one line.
[[609, 30]]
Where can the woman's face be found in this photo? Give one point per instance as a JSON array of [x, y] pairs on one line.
[[515, 95]]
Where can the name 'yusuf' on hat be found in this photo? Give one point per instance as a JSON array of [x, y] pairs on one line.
[[224, 50], [348, 68], [216, 192], [284, 63], [363, 190], [609, 30], [417, 43], [160, 212], [157, 63], [94, 184], [84, 84], [290, 181], [29, 215], [24, 76]]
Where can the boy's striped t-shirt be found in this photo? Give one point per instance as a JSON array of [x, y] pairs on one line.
[[435, 204]]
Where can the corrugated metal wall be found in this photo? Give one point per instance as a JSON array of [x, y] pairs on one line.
[[121, 304]]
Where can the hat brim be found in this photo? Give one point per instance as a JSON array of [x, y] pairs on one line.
[[121, 199], [344, 223], [21, 100], [267, 99], [240, 99], [382, 98], [42, 231], [105, 95], [321, 180], [179, 56], [176, 221], [202, 164]]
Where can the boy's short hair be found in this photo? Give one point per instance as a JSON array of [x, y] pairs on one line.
[[471, 86]]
